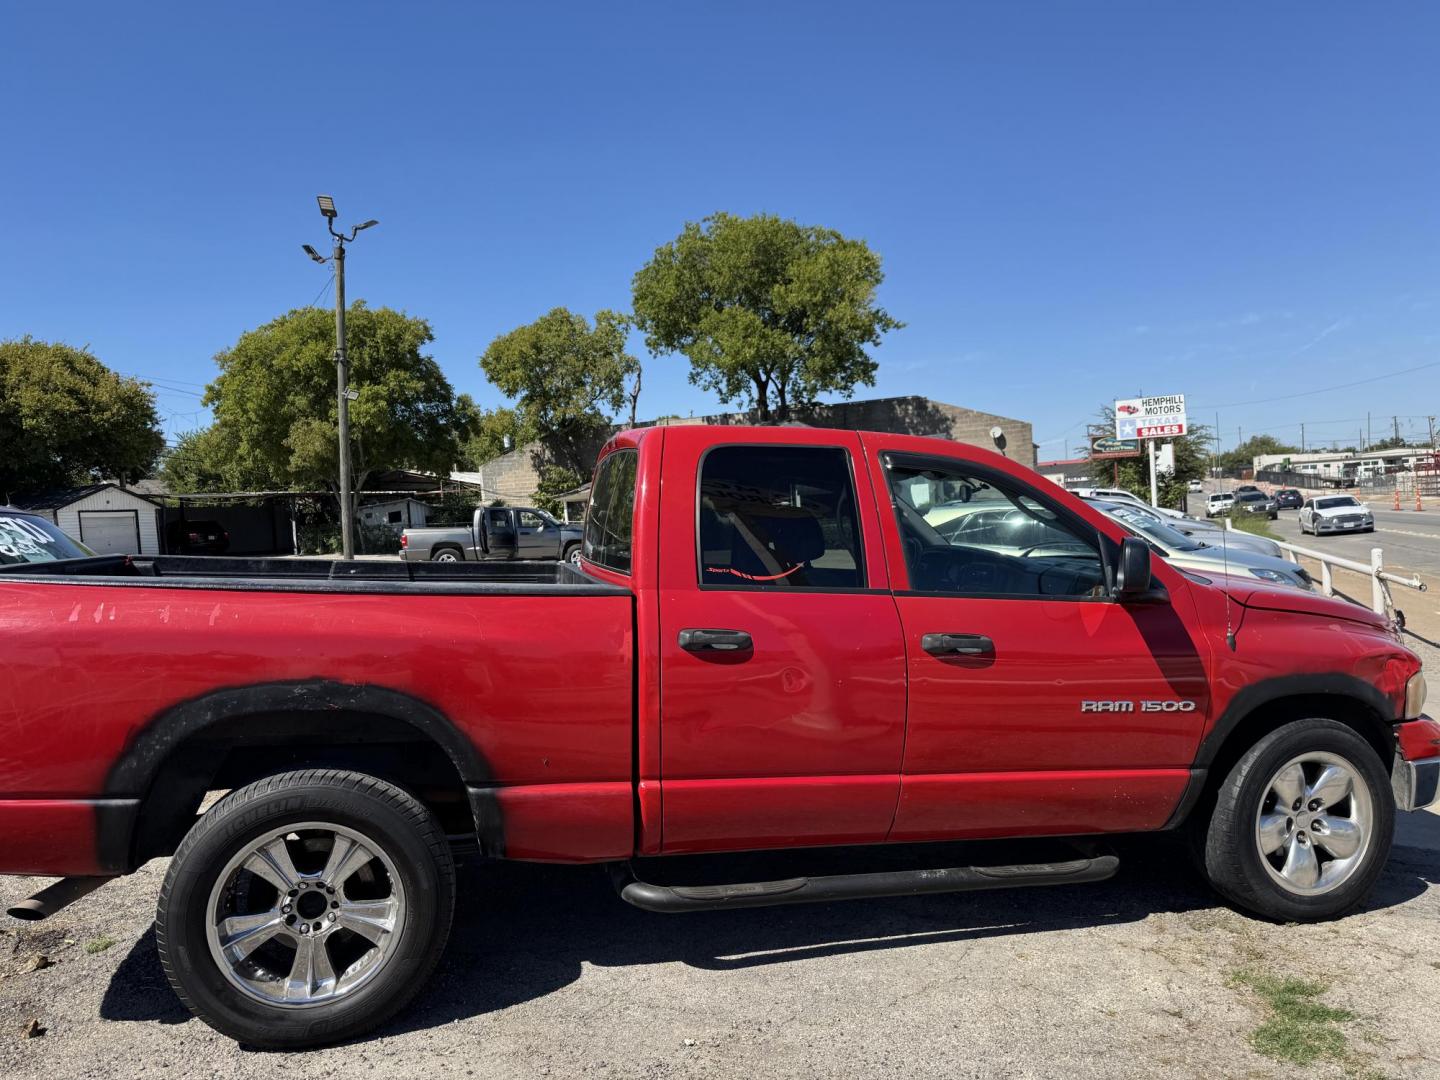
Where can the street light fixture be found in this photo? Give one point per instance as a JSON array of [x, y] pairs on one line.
[[343, 394]]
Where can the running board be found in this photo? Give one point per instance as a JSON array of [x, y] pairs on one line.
[[672, 899]]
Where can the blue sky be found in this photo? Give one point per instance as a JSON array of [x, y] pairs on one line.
[[1074, 201]]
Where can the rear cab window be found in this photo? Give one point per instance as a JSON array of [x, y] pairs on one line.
[[778, 517], [610, 521]]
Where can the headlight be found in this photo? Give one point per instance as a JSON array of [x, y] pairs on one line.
[[1415, 691], [1274, 576]]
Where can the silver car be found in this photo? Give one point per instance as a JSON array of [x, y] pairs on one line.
[[1191, 554], [1207, 532]]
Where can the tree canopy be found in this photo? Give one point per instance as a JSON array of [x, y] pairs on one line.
[[65, 418], [769, 312], [565, 377], [1242, 457], [275, 410], [492, 432]]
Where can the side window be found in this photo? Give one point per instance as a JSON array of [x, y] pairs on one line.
[[531, 520], [779, 517], [977, 536], [500, 519], [610, 521]]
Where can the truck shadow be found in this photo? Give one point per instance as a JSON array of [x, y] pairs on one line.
[[523, 931]]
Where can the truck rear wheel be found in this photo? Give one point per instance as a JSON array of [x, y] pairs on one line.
[[306, 908], [446, 555], [1302, 824]]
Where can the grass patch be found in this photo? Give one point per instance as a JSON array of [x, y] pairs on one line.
[[98, 945], [1300, 1028], [1255, 523]]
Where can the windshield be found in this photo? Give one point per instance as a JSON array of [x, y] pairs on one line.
[[1162, 534], [1252, 496], [26, 539], [1337, 501]]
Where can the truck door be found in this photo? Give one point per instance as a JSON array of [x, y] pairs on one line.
[[1037, 704], [535, 540], [782, 669], [500, 538]]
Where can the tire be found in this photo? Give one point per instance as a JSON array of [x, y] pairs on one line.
[[446, 555], [572, 554], [1234, 838], [403, 898]]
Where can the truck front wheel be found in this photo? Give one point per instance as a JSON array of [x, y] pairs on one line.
[[306, 908], [1302, 824]]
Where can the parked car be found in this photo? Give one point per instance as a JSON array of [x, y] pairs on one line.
[[1208, 532], [1219, 558], [494, 533], [1121, 495], [1195, 487], [764, 645], [1255, 502], [1219, 503], [1289, 499], [1335, 513], [29, 538], [196, 538]]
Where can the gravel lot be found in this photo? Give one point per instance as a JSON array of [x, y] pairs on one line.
[[548, 974]]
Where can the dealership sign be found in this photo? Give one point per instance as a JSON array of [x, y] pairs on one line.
[[1150, 417], [1104, 447]]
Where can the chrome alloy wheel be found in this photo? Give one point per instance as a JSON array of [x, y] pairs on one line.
[[305, 915], [1315, 824]]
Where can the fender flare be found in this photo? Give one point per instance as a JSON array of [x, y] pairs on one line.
[[136, 767], [1257, 695]]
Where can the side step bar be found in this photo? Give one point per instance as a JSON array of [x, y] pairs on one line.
[[672, 899]]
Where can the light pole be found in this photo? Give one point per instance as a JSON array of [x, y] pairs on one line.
[[343, 392]]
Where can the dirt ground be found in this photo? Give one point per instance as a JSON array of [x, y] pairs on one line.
[[549, 974]]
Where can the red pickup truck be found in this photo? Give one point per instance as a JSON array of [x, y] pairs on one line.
[[777, 638]]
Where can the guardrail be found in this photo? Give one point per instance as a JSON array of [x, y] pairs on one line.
[[1380, 579]]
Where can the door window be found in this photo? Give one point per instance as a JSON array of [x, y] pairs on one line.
[[529, 519], [986, 536], [499, 519], [779, 517]]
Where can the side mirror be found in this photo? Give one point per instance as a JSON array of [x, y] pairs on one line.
[[1132, 576]]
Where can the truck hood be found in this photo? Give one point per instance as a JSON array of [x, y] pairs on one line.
[[1257, 594]]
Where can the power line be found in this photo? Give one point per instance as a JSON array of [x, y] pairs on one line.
[[1321, 390]]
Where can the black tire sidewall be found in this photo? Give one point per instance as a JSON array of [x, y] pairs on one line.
[[224, 831], [1232, 858]]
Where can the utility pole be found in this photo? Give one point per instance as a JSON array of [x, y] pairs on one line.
[[1302, 436], [1395, 420], [343, 393], [1431, 419]]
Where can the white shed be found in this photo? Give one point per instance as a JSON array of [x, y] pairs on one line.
[[104, 517]]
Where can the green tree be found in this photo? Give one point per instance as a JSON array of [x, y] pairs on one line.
[[275, 410], [1239, 458], [493, 432], [555, 479], [1192, 462], [769, 312], [65, 418], [565, 377]]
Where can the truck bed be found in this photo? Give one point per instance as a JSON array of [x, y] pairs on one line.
[[532, 578]]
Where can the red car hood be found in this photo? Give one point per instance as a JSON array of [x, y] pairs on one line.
[[1257, 594]]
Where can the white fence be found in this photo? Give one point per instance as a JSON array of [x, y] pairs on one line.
[[1380, 578]]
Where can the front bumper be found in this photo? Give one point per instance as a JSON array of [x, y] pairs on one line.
[[1416, 783], [1323, 526]]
